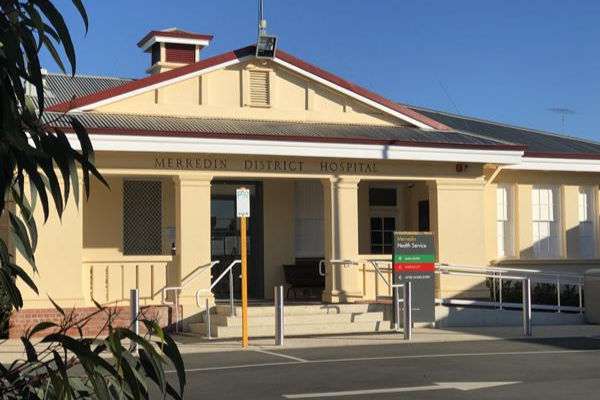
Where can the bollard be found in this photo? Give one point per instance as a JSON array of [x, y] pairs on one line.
[[527, 331], [407, 311], [207, 318], [231, 306], [396, 300], [134, 307], [278, 315]]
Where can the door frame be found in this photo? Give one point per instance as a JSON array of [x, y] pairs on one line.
[[257, 230]]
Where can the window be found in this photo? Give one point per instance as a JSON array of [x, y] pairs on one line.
[[546, 221], [504, 220], [587, 240], [142, 217], [382, 235], [382, 197], [309, 237], [259, 88]]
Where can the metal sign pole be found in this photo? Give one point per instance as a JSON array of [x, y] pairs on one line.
[[396, 308], [243, 211], [407, 323], [244, 286]]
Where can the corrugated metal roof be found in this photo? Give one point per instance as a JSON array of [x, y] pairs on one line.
[[60, 88], [467, 130], [536, 141], [215, 127]]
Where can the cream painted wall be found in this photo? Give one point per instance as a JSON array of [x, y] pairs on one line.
[[224, 94], [278, 217], [103, 221], [419, 192], [58, 258], [458, 208]]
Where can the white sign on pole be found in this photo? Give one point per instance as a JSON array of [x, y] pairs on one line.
[[243, 202]]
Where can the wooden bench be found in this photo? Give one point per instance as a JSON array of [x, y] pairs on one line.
[[304, 274]]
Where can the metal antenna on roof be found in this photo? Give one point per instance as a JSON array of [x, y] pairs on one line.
[[266, 45], [262, 23], [563, 114]]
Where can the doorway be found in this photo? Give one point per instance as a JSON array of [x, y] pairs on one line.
[[225, 238]]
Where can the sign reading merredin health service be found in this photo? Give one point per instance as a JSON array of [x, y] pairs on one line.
[[414, 261]]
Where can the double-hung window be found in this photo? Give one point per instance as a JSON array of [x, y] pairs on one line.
[[587, 219], [383, 203], [505, 220], [546, 221]]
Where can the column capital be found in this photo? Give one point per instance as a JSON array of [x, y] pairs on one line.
[[341, 183], [192, 180]]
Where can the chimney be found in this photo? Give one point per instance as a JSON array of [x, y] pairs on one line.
[[172, 48]]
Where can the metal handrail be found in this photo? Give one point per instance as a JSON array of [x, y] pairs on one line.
[[208, 290], [347, 262], [537, 276], [188, 280]]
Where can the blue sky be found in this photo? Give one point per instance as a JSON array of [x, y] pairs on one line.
[[508, 60]]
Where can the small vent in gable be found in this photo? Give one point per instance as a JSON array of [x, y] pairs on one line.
[[259, 88]]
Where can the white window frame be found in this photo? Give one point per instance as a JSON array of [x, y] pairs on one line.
[[546, 217], [587, 221], [384, 211], [505, 220]]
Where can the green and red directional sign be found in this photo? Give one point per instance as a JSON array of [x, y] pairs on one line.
[[414, 261]]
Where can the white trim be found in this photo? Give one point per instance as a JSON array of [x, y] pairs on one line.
[[163, 144], [557, 164], [160, 84], [354, 95], [298, 70], [177, 40]]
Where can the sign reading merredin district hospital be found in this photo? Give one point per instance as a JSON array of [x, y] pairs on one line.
[[414, 261]]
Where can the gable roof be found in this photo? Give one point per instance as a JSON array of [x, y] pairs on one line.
[[467, 132], [152, 82], [539, 143]]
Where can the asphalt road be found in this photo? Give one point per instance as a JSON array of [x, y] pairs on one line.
[[566, 368]]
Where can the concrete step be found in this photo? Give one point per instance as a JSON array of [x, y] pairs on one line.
[[291, 330], [293, 319], [304, 309]]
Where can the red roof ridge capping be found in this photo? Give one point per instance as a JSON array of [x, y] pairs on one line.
[[236, 54], [152, 80], [313, 69], [175, 34]]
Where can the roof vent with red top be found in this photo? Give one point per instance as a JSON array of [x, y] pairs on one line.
[[172, 48]]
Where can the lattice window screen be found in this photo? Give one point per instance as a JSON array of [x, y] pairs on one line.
[[142, 217]]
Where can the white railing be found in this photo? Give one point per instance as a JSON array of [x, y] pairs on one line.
[[499, 275], [208, 291], [110, 279], [187, 281]]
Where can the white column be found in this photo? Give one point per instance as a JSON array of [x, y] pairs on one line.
[[340, 199]]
